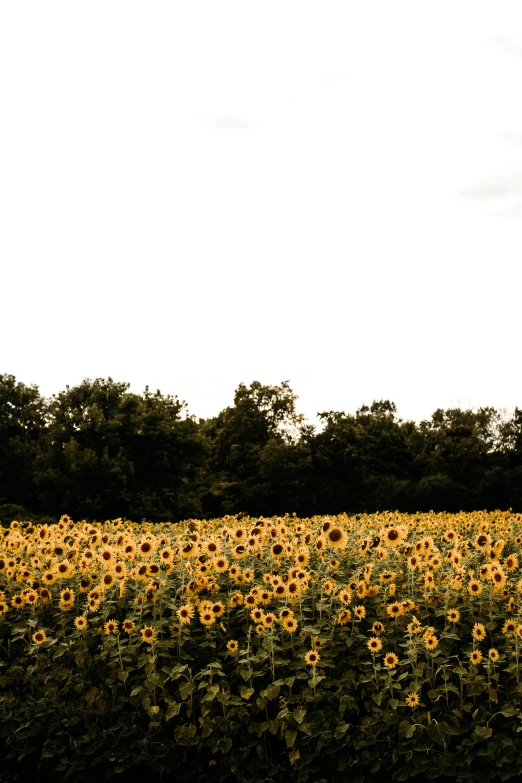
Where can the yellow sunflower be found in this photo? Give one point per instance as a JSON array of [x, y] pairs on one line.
[[391, 660], [478, 632], [412, 700], [39, 637], [312, 658], [148, 634]]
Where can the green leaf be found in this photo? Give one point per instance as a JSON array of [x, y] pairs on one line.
[[172, 710], [299, 715], [293, 756], [341, 729], [245, 692], [290, 738], [483, 732], [186, 689]]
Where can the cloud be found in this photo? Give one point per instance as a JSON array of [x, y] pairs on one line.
[[230, 121], [498, 185], [514, 138], [511, 47], [507, 45], [513, 211]]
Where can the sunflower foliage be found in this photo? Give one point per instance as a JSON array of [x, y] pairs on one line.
[[383, 646]]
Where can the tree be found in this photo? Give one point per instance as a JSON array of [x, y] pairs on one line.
[[237, 436], [22, 421], [111, 453]]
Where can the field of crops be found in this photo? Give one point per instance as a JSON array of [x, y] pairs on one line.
[[252, 649]]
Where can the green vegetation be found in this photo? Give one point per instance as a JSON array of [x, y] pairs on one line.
[[100, 451]]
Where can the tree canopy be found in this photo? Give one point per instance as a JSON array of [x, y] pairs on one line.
[[97, 450]]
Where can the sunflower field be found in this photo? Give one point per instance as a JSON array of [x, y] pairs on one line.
[[360, 648]]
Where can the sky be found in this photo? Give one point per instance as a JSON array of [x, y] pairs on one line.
[[198, 195]]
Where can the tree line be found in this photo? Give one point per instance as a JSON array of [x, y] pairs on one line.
[[98, 451]]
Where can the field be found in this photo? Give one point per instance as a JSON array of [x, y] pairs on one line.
[[369, 647]]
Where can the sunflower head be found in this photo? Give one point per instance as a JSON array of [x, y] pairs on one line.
[[312, 658], [412, 700], [391, 660]]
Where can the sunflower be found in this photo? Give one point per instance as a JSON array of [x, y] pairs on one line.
[[107, 580], [250, 600], [511, 563], [474, 587], [220, 564], [269, 620], [185, 613], [128, 626], [188, 549], [336, 538], [499, 580], [478, 632], [509, 628], [3, 607], [146, 547], [453, 615], [378, 628], [362, 590], [207, 618], [475, 657], [302, 557], [218, 609], [285, 613], [257, 615], [430, 642], [106, 556], [236, 599], [148, 634], [111, 627], [39, 637], [344, 596], [412, 700], [374, 645], [289, 624], [265, 596], [394, 610], [80, 623], [67, 596], [280, 591], [18, 601], [359, 612], [393, 536], [312, 657], [31, 597], [277, 550], [493, 654], [391, 660], [293, 589], [232, 646], [344, 617]]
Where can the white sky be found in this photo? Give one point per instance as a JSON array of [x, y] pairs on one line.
[[198, 194]]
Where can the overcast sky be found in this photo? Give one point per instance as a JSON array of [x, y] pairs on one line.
[[199, 194]]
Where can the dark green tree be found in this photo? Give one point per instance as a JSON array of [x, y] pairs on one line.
[[262, 417], [22, 421], [109, 452]]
